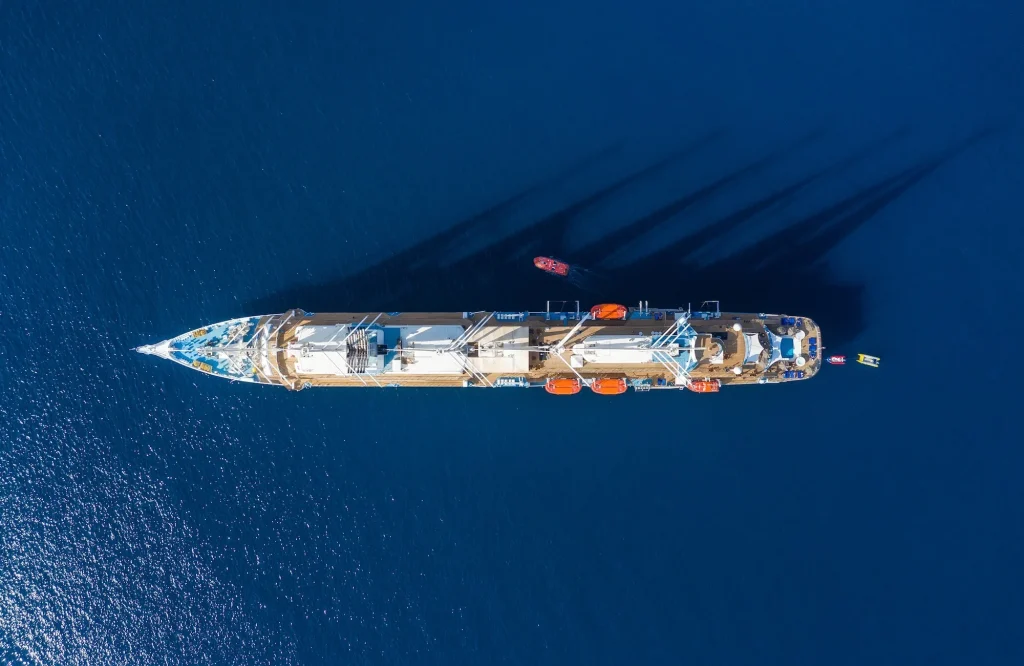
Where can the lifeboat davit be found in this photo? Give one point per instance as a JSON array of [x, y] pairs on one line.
[[551, 265], [704, 385], [836, 359], [563, 386], [608, 386], [609, 311]]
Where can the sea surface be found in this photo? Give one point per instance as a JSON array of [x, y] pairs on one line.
[[166, 165]]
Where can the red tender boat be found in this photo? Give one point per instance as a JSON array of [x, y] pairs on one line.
[[551, 265], [836, 359]]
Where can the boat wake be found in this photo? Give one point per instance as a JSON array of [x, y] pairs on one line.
[[587, 279]]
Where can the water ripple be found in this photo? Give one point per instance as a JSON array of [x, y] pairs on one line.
[[97, 566]]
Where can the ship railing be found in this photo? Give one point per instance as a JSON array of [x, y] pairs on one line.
[[512, 317], [709, 314], [561, 314]]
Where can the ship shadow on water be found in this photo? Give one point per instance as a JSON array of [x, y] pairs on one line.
[[786, 270]]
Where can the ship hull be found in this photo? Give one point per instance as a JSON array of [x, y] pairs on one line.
[[649, 348]]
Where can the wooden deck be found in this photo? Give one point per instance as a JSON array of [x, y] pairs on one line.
[[713, 335]]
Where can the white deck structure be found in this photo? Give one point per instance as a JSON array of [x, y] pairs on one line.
[[408, 350], [619, 349]]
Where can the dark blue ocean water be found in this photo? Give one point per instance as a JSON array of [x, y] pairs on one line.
[[167, 165]]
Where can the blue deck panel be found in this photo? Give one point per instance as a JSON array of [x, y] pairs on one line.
[[391, 336], [195, 349]]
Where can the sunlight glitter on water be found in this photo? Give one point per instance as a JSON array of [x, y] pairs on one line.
[[97, 567]]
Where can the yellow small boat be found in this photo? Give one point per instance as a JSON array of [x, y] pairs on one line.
[[872, 361]]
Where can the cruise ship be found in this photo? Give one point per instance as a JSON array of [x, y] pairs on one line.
[[607, 349]]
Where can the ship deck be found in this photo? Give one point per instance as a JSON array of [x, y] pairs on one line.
[[713, 335]]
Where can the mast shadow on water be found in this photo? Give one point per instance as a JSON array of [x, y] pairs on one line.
[[500, 274]]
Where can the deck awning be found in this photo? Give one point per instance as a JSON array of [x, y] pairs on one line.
[[776, 341], [754, 348]]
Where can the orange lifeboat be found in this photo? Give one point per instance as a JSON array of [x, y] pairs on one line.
[[609, 311], [608, 386], [563, 386], [704, 385]]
